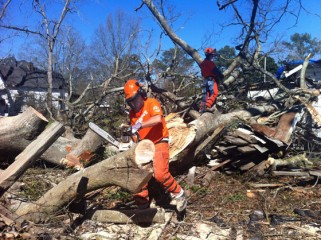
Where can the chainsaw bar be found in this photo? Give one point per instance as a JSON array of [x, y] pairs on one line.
[[101, 132]]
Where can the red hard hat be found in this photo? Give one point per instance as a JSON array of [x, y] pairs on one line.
[[210, 51], [131, 88]]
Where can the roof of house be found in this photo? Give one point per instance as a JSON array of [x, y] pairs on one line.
[[24, 75]]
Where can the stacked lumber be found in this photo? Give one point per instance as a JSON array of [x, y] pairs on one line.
[[244, 148], [248, 145]]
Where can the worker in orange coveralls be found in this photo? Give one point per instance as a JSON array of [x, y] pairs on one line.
[[211, 75], [147, 119]]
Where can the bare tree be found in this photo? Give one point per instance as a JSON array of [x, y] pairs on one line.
[[49, 31], [4, 6], [112, 60], [114, 46]]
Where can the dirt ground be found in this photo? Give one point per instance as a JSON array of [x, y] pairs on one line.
[[261, 213]]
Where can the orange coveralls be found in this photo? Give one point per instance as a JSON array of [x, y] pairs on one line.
[[158, 134]]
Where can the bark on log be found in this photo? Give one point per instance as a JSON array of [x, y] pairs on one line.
[[32, 152], [117, 170]]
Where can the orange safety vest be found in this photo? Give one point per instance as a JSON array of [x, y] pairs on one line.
[[150, 108]]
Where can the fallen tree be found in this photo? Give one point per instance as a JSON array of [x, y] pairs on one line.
[[119, 170], [17, 132]]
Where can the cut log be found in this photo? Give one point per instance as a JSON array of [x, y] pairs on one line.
[[59, 150], [80, 155], [17, 132], [180, 135], [119, 170], [32, 152], [147, 216]]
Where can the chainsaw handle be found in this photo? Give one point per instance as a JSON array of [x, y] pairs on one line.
[[138, 136]]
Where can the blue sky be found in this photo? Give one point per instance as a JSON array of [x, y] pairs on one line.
[[199, 18]]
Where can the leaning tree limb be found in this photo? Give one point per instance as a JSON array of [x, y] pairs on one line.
[[173, 36]]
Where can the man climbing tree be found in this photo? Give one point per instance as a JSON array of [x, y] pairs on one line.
[[212, 75]]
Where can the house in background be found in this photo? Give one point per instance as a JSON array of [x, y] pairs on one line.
[[23, 85]]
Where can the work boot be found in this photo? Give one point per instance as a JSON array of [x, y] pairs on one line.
[[180, 201], [202, 107], [211, 109], [141, 203]]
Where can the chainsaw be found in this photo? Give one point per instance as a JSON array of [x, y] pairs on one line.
[[122, 146]]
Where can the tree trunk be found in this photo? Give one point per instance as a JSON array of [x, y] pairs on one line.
[[50, 64], [205, 125], [117, 170]]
